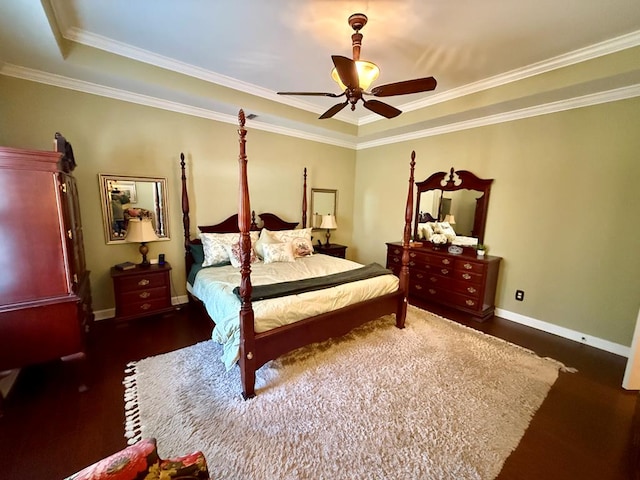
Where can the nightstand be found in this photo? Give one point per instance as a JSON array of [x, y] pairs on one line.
[[142, 291], [333, 249]]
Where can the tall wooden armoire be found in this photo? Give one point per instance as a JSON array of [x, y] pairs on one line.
[[45, 295]]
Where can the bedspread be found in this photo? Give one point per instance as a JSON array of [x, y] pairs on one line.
[[214, 287]]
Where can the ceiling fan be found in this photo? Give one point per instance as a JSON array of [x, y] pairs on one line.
[[355, 76]]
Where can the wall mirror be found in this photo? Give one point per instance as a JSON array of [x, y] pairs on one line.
[[124, 197], [457, 196], [323, 202]]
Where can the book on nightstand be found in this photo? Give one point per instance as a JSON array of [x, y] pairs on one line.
[[125, 266]]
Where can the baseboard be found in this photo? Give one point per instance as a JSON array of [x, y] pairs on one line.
[[574, 335], [111, 312]]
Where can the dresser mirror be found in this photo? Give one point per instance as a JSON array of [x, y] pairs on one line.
[[458, 197], [124, 197], [323, 202]]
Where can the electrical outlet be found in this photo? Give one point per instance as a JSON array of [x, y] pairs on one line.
[[520, 295]]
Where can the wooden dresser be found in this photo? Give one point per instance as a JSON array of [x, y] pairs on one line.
[[465, 282], [142, 291], [45, 296]]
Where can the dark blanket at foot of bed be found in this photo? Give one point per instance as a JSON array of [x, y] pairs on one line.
[[275, 290]]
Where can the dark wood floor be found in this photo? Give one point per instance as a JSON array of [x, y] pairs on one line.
[[583, 430]]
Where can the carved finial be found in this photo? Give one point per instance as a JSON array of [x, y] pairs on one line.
[[413, 160], [182, 159], [241, 118]]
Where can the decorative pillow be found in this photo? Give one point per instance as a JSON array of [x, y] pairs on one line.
[[446, 229], [234, 255], [265, 238], [197, 252], [132, 462], [215, 252], [288, 235], [425, 231], [302, 247], [141, 461], [278, 252]]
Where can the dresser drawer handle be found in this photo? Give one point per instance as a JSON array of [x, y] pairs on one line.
[[145, 306], [433, 279], [471, 303], [432, 291], [420, 275], [466, 276], [444, 271], [418, 287], [471, 290], [144, 282], [468, 266], [396, 251], [413, 255], [145, 295], [412, 264], [446, 261]]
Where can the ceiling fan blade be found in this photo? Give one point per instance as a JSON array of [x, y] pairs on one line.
[[381, 108], [313, 94], [333, 110], [402, 88], [347, 71]]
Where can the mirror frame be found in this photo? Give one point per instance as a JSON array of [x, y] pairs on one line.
[[458, 180], [105, 181], [335, 203]]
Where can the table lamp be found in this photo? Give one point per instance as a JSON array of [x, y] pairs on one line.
[[329, 223], [141, 231]]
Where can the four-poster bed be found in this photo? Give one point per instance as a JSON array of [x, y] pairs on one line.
[[257, 345]]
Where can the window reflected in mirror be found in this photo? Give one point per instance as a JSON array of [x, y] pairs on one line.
[[323, 202], [125, 197]]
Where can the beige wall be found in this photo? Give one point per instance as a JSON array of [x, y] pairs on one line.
[[564, 211], [114, 137]]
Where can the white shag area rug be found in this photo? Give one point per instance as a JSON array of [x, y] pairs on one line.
[[435, 400]]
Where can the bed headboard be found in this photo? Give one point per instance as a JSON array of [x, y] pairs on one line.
[[270, 221]]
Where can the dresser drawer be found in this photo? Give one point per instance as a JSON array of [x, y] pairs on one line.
[[468, 278], [142, 281], [465, 265], [468, 289]]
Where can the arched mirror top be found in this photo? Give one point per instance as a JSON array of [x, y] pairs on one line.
[[459, 195]]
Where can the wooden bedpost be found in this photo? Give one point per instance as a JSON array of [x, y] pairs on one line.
[[185, 216], [304, 200], [247, 341], [404, 269]]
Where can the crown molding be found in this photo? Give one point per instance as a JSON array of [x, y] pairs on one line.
[[543, 109], [55, 80], [39, 76], [607, 47], [106, 44]]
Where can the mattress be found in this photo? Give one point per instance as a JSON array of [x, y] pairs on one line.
[[214, 287]]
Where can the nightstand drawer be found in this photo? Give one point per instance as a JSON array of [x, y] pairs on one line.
[[143, 281], [144, 295], [144, 307]]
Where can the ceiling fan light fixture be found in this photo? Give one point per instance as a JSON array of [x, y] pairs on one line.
[[367, 73]]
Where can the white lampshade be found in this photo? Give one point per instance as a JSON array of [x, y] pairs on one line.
[[140, 231], [329, 222], [450, 219], [367, 73]]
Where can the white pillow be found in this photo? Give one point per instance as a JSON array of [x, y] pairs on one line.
[[302, 247], [213, 245], [288, 235], [278, 252], [265, 238], [446, 229], [426, 231]]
